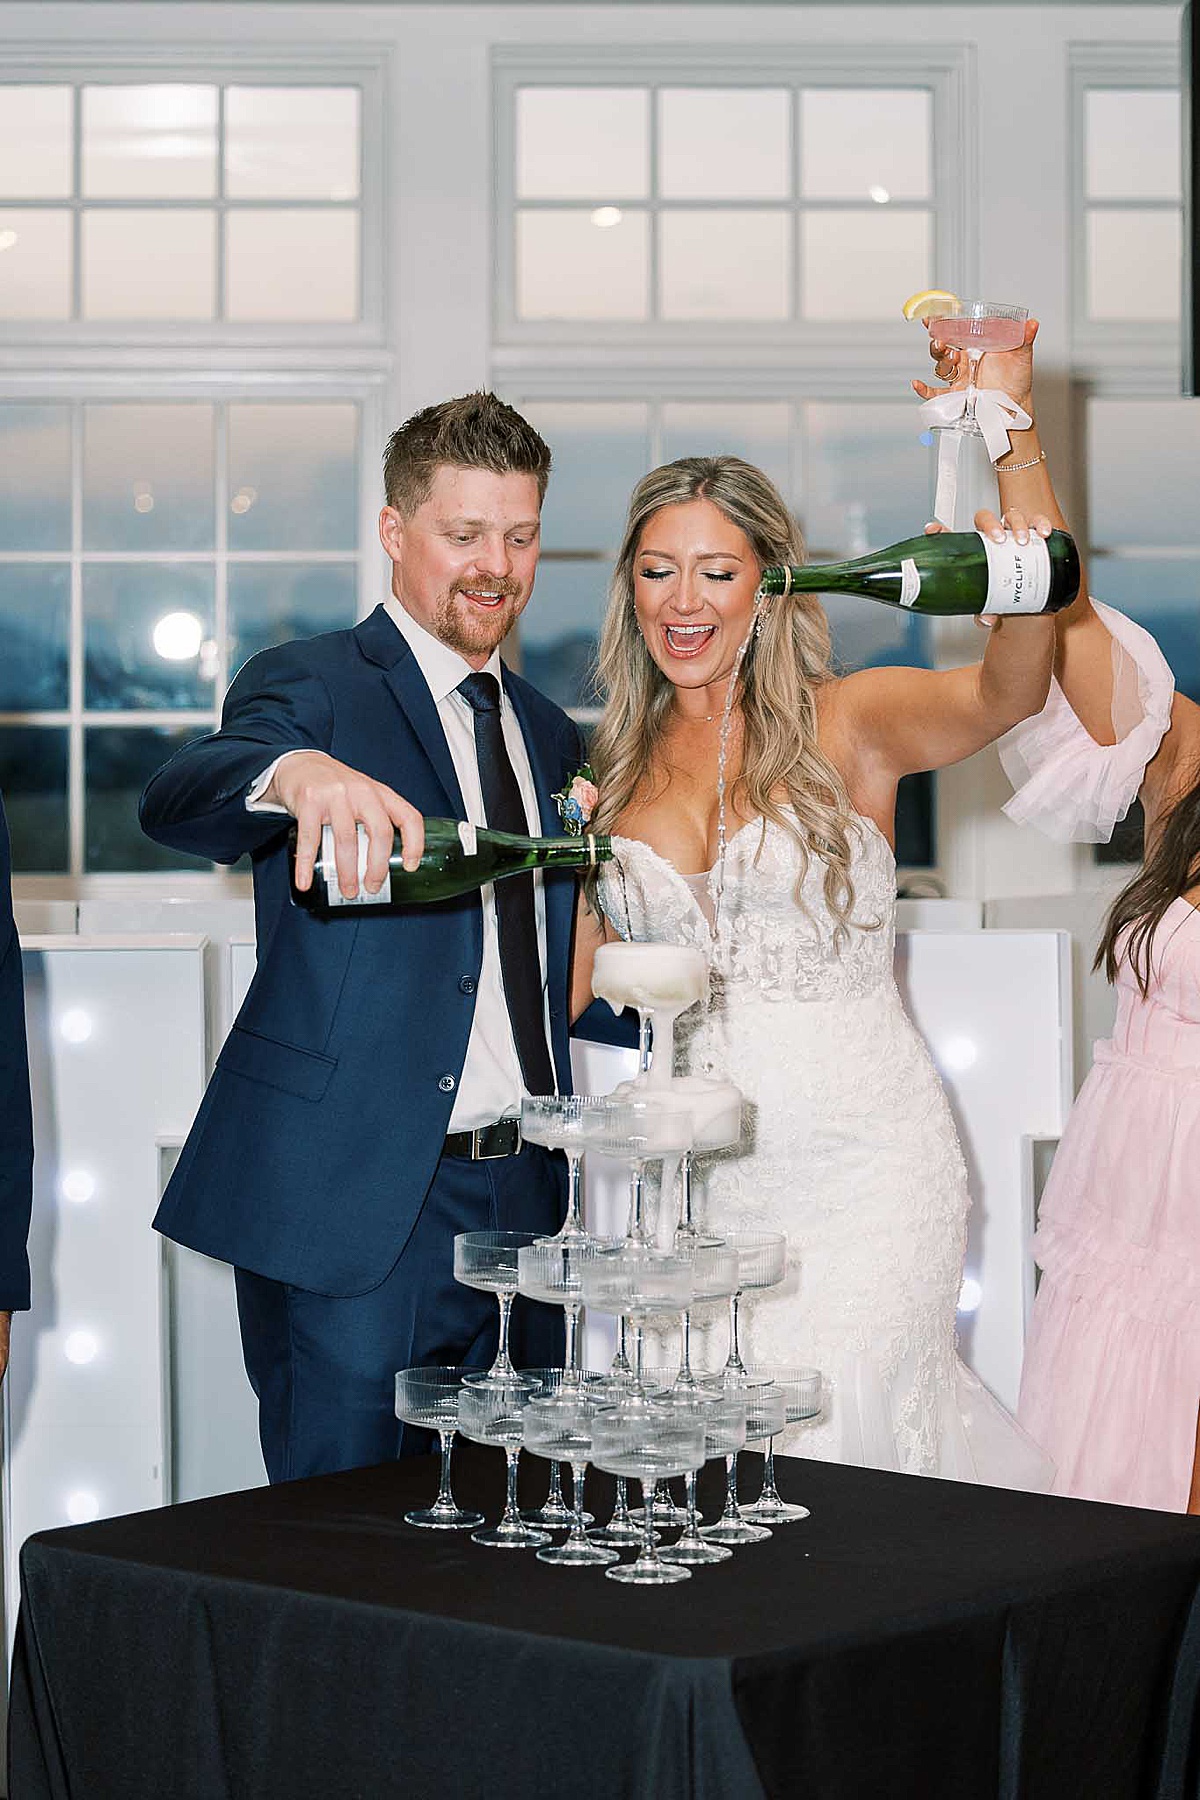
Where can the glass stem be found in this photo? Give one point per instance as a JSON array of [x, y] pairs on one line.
[[572, 1350], [973, 357], [445, 1499], [735, 1355], [578, 1474], [512, 1515], [648, 1552], [574, 1219], [643, 1043], [502, 1365], [637, 1204], [685, 1188], [731, 1493], [620, 1362], [691, 1530], [555, 1497], [769, 1490], [621, 1503], [685, 1350], [639, 1350]]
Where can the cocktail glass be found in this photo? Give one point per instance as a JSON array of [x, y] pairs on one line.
[[563, 1122], [716, 1108], [762, 1262], [488, 1260], [638, 1131], [724, 1419], [661, 981], [493, 1413], [716, 1276], [801, 1390], [766, 1410], [649, 1446], [554, 1387], [638, 1284], [429, 1397], [561, 1429], [977, 326]]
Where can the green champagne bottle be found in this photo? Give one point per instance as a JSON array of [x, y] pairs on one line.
[[458, 859], [950, 572]]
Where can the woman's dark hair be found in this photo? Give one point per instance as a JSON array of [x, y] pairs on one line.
[[1170, 869]]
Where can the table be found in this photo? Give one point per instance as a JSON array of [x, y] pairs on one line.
[[913, 1640]]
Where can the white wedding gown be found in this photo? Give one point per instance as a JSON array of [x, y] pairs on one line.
[[848, 1146]]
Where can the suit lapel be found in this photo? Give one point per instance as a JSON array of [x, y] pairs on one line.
[[382, 644]]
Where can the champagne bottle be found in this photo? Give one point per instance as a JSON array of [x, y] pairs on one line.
[[949, 572], [458, 858]]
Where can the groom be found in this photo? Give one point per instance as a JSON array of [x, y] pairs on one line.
[[365, 1105]]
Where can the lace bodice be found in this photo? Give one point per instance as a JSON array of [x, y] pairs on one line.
[[768, 936]]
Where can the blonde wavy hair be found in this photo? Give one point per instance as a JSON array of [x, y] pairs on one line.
[[785, 777]]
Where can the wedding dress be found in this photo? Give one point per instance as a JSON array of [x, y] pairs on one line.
[[848, 1146]]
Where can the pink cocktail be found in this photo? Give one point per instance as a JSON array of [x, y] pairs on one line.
[[977, 326]]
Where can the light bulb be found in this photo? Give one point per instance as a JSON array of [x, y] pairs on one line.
[[75, 1025], [8, 239], [878, 194], [80, 1347], [77, 1186], [958, 1053], [606, 217], [177, 636], [82, 1506], [969, 1295]]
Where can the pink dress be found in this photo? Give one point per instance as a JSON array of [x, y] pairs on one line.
[[1111, 1379]]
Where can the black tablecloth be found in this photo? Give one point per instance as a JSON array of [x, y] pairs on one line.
[[913, 1640]]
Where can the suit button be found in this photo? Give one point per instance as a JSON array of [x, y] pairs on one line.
[[447, 1084], [466, 984]]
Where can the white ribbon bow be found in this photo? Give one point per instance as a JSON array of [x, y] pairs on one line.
[[996, 414]]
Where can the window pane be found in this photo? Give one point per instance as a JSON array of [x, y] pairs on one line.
[[583, 143], [118, 761], [1134, 266], [291, 143], [35, 142], [865, 143], [272, 603], [287, 267], [35, 492], [759, 432], [35, 607], [148, 477], [580, 265], [33, 779], [560, 627], [865, 480], [143, 263], [35, 264], [724, 143], [725, 265], [150, 142], [293, 477], [601, 450], [1133, 144], [1163, 594], [1142, 461], [853, 264], [148, 636]]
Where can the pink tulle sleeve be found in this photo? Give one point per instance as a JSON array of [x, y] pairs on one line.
[[1065, 783]]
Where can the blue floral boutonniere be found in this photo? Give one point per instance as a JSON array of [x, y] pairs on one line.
[[576, 801]]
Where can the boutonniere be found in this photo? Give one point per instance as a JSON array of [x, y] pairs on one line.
[[576, 801]]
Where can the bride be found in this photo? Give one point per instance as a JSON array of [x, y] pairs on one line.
[[781, 869]]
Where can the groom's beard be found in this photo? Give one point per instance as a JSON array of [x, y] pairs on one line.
[[473, 630]]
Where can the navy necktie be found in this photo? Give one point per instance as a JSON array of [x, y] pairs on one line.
[[520, 964]]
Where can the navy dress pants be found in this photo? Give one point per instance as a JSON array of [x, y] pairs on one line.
[[324, 1369]]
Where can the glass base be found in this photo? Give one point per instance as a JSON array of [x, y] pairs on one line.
[[509, 1535], [647, 1573], [574, 1235], [430, 1519], [689, 1553], [663, 1512], [775, 1512], [694, 1237], [579, 1556], [734, 1531], [553, 1520], [494, 1378], [618, 1532]]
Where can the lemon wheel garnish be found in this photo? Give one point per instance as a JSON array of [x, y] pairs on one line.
[[928, 302]]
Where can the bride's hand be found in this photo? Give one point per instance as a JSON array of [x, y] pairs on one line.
[[1009, 370], [987, 522]]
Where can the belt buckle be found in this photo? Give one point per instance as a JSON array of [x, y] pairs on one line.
[[479, 1154]]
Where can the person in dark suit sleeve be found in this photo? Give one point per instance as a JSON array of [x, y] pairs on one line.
[[364, 1107], [16, 1118]]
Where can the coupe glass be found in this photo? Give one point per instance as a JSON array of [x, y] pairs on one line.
[[649, 1446], [801, 1390], [716, 1274], [429, 1397], [554, 1387], [636, 1132], [561, 1428], [977, 326], [762, 1261], [724, 1419], [766, 1410], [637, 1283], [492, 1413], [488, 1260], [552, 1271], [564, 1122]]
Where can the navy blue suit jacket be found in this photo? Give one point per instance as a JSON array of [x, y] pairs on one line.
[[16, 1120], [320, 1131]]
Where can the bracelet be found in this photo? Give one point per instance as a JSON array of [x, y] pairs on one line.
[[1014, 468]]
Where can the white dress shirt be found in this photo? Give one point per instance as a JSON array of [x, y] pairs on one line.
[[491, 1086]]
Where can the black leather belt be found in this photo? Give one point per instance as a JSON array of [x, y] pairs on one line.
[[501, 1139]]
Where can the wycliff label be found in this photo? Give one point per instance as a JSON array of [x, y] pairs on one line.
[[1018, 575]]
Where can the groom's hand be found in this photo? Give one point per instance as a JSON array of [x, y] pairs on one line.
[[318, 790]]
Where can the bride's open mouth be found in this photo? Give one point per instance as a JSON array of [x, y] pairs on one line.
[[688, 640]]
